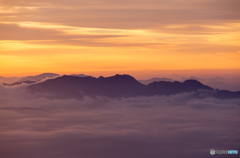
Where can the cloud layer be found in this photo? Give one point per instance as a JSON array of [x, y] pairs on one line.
[[174, 126]]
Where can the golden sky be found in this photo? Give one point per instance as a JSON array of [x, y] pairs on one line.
[[76, 36]]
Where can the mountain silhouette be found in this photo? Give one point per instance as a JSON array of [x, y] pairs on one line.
[[122, 86], [38, 77], [170, 88], [77, 87]]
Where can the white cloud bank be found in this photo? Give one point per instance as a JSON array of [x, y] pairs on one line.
[[143, 127]]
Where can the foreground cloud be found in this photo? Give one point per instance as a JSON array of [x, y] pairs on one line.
[[174, 126]]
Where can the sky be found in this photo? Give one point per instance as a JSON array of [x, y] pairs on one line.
[[111, 36]]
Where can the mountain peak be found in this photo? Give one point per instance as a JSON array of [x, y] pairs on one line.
[[122, 79], [194, 84], [124, 75], [192, 81]]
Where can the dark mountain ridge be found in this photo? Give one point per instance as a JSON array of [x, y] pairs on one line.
[[77, 87], [122, 86]]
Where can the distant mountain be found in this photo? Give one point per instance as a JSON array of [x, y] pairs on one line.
[[122, 86], [155, 79], [169, 88], [79, 75], [9, 79], [77, 87], [38, 77], [19, 83]]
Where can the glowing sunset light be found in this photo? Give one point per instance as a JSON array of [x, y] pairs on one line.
[[112, 35]]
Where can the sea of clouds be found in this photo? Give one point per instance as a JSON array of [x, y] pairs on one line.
[[176, 126]]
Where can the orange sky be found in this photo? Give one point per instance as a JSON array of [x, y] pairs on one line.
[[72, 36]]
